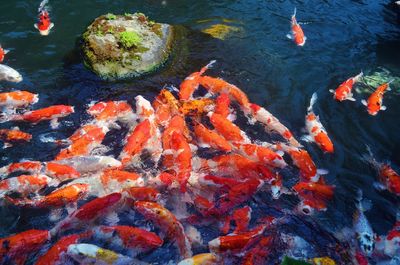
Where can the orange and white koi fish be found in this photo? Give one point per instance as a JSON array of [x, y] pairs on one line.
[[201, 259], [135, 141], [88, 212], [55, 254], [218, 85], [191, 83], [44, 24], [313, 195], [227, 129], [17, 247], [208, 138], [15, 135], [316, 131], [261, 154], [3, 52], [112, 179], [109, 112], [87, 164], [374, 103], [343, 92], [83, 141], [270, 122], [24, 184], [297, 33], [17, 99], [303, 161], [222, 104], [143, 194], [167, 222], [52, 113], [127, 237], [58, 198], [182, 159]]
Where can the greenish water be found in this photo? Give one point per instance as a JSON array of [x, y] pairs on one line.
[[344, 37]]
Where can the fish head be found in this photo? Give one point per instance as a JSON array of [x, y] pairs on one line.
[[15, 77], [367, 242]]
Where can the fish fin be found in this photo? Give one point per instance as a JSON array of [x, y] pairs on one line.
[[351, 98], [383, 107], [51, 26], [56, 214], [36, 26], [54, 123], [173, 88], [364, 102], [6, 51], [280, 153], [307, 138], [7, 145], [313, 99], [111, 219], [322, 171], [379, 186], [362, 203], [294, 12], [332, 91], [231, 117], [114, 125], [358, 77], [289, 36]]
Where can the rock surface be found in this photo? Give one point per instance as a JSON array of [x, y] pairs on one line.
[[125, 46]]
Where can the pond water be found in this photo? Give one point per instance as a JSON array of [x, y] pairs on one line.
[[343, 38]]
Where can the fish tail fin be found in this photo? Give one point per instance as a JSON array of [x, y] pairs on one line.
[[4, 117], [208, 66], [313, 99], [358, 77], [362, 204], [369, 157], [294, 13], [6, 51]]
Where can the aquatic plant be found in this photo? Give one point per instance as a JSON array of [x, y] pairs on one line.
[[129, 39], [110, 16]]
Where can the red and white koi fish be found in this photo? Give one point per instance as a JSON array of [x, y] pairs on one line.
[[167, 222], [191, 83], [83, 141], [316, 131], [343, 92], [17, 247], [54, 255], [390, 244], [127, 237], [109, 112], [3, 52], [58, 198], [313, 195], [259, 253], [17, 99], [261, 154], [241, 218], [52, 113], [114, 179], [44, 24], [88, 212], [297, 33], [270, 123], [14, 135], [25, 184], [374, 103]]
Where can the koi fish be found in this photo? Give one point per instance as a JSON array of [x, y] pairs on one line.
[[374, 103], [9, 74], [25, 184], [364, 233], [261, 154], [390, 244], [3, 52], [114, 178], [14, 135], [271, 123], [196, 107], [241, 218], [165, 106], [201, 259], [17, 247], [17, 99], [297, 33], [143, 194], [313, 195], [44, 24], [86, 164], [316, 131], [343, 92], [259, 253], [110, 112], [92, 254], [167, 222], [227, 129], [128, 237], [222, 106], [58, 198], [191, 83], [52, 113], [182, 159], [209, 138], [55, 254]]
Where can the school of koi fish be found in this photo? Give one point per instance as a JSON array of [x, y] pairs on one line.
[[184, 165]]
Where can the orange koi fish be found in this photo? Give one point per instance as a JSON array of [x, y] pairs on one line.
[[218, 85], [201, 259], [343, 92], [222, 104], [271, 123], [24, 184], [114, 178], [316, 131], [54, 255], [110, 112], [261, 154], [191, 83], [57, 198], [135, 141], [128, 237], [297, 33], [227, 129], [167, 222], [182, 159], [196, 107], [17, 247], [15, 135], [17, 99], [143, 194], [165, 106], [209, 138], [44, 25], [313, 195], [374, 103], [3, 52]]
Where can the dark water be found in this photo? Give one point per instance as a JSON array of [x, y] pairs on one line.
[[344, 37]]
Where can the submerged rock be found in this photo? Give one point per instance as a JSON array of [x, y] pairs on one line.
[[124, 46]]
